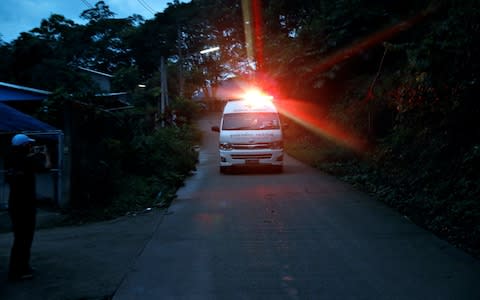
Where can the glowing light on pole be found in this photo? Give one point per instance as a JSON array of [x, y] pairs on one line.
[[213, 49]]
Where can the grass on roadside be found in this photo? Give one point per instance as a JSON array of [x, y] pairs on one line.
[[443, 205]]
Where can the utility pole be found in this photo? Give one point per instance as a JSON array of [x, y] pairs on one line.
[[181, 77], [252, 23], [248, 28], [163, 103]]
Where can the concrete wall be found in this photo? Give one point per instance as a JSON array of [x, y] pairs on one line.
[[102, 81]]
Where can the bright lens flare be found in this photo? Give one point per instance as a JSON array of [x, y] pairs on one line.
[[312, 117], [256, 97], [308, 114]]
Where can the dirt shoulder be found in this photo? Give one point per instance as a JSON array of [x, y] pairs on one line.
[[78, 262]]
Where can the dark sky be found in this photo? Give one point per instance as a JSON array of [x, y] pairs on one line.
[[23, 15]]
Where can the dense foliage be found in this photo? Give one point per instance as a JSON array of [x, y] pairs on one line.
[[400, 77], [129, 170], [123, 161], [413, 98]]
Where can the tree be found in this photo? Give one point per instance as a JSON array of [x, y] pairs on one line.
[[5, 62], [55, 28], [101, 11]]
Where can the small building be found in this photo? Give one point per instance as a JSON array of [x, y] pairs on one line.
[[103, 80], [19, 103], [16, 105]]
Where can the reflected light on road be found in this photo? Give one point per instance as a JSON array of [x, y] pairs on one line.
[[209, 221]]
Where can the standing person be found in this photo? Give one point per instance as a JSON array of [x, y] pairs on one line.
[[22, 164]]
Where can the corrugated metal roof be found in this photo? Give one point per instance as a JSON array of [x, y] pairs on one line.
[[13, 92], [12, 120], [95, 72]]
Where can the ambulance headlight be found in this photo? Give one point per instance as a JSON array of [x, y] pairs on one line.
[[225, 146]]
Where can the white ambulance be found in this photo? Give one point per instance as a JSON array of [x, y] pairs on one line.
[[250, 134]]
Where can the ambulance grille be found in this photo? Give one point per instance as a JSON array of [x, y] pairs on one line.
[[252, 146], [252, 156]]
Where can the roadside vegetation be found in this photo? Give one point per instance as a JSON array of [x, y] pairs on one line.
[[132, 169], [125, 162], [417, 111], [384, 95]]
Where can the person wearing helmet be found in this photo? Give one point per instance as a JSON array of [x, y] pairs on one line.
[[21, 164]]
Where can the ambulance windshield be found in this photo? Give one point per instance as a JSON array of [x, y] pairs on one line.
[[251, 121]]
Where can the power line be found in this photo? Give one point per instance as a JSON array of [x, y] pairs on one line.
[[87, 3], [147, 7], [146, 3]]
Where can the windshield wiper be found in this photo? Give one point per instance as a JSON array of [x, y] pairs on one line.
[[240, 128], [269, 127]]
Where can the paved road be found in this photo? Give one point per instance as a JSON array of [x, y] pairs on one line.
[[296, 235], [86, 262]]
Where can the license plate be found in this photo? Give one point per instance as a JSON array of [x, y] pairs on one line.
[[252, 161]]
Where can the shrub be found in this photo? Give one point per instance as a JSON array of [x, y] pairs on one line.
[[123, 167]]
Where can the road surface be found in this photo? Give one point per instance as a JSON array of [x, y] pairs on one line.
[[296, 235]]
